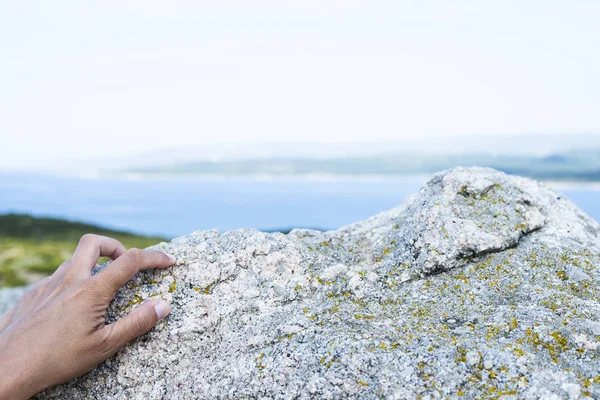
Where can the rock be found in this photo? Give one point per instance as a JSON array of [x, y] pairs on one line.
[[481, 285]]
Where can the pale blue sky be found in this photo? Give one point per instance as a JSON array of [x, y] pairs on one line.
[[111, 78]]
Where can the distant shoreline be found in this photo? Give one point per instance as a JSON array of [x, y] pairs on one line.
[[566, 184], [271, 177], [571, 166], [420, 178]]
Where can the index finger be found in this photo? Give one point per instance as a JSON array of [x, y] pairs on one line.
[[90, 248], [120, 271]]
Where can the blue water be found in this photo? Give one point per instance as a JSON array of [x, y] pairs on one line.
[[176, 207]]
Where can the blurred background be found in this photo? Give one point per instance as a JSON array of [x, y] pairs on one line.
[[147, 120]]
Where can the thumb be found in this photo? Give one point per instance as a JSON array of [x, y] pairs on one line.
[[137, 322]]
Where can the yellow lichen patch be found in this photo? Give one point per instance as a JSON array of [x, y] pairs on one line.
[[259, 364], [560, 339], [562, 275], [136, 300], [172, 287], [360, 316], [208, 289], [462, 355]]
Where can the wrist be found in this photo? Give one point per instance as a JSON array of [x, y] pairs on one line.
[[15, 383]]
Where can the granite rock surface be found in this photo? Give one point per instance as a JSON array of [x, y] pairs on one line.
[[482, 285]]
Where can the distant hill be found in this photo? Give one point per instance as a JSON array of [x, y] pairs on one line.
[[464, 147], [32, 248], [576, 165]]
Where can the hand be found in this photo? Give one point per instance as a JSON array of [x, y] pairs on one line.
[[57, 331]]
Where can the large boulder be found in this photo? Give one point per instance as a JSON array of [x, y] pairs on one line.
[[482, 285]]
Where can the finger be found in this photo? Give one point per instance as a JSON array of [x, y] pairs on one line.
[[120, 271], [136, 323], [90, 248], [61, 271]]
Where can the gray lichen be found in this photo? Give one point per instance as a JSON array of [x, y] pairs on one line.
[[482, 285]]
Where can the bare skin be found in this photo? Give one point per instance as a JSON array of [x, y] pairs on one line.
[[57, 331]]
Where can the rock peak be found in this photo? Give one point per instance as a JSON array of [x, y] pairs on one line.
[[468, 213]]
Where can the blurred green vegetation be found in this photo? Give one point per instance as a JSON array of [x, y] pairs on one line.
[[32, 248]]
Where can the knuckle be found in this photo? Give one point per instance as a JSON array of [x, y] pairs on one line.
[[135, 256], [45, 282], [88, 238], [139, 324], [105, 344], [66, 280], [65, 266], [44, 285]]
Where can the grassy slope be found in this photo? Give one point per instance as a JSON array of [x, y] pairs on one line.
[[32, 248]]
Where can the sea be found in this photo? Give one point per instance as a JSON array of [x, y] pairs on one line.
[[171, 207]]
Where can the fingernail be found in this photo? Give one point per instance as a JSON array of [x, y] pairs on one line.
[[173, 258], [162, 309]]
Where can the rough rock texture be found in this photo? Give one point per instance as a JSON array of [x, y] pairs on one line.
[[482, 285]]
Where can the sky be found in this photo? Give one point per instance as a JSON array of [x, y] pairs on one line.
[[110, 78]]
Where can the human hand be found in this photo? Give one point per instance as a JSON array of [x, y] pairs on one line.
[[57, 331]]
